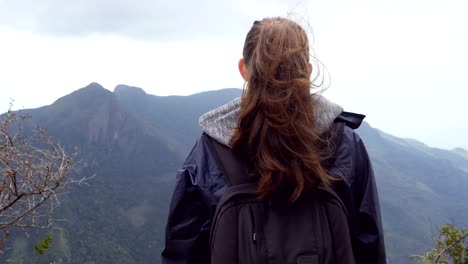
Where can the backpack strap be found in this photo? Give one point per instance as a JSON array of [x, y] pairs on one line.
[[333, 137], [336, 198], [235, 173], [337, 129]]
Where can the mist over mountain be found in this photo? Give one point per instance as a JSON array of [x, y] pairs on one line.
[[134, 142]]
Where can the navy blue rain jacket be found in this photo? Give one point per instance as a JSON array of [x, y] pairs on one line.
[[200, 185]]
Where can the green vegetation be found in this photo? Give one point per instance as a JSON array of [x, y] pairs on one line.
[[451, 247], [43, 245], [134, 143]]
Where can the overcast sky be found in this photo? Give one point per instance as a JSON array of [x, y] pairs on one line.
[[402, 63]]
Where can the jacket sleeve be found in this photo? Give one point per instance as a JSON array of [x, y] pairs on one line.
[[369, 246], [359, 193], [188, 224]]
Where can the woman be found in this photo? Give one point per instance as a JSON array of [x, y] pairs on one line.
[[275, 129]]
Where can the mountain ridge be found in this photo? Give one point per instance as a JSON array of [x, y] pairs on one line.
[[134, 142]]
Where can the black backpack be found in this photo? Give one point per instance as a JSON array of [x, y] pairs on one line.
[[246, 229]]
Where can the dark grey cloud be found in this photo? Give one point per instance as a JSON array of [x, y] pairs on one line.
[[149, 19]]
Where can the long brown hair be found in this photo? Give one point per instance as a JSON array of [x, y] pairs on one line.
[[275, 134]]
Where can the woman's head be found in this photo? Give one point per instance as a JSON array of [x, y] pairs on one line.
[[271, 41], [275, 134]]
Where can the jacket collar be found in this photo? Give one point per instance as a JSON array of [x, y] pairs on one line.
[[221, 122]]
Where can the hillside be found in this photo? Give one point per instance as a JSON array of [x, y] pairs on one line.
[[134, 142]]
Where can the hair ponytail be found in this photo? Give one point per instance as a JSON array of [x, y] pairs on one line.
[[275, 135]]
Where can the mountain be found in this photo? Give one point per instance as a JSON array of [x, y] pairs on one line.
[[177, 116], [133, 143], [420, 189], [126, 155]]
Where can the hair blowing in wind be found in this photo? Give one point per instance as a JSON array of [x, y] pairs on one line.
[[275, 134]]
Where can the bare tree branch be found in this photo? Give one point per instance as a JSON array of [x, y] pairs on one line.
[[34, 169]]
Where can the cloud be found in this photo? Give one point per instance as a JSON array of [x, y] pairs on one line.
[[148, 19], [143, 19], [402, 64]]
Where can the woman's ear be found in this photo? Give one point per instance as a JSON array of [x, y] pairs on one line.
[[309, 68], [243, 69]]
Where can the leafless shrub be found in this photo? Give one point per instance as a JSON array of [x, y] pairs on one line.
[[34, 170]]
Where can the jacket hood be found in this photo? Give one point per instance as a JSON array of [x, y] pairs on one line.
[[221, 122]]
